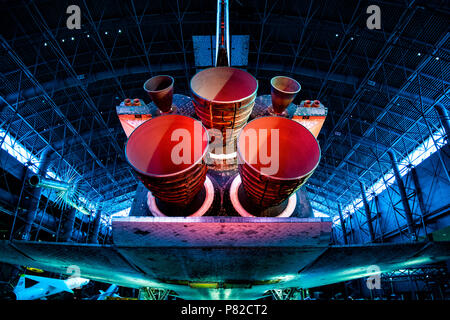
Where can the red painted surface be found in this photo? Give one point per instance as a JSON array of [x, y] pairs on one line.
[[296, 154], [150, 151], [223, 85], [224, 98]]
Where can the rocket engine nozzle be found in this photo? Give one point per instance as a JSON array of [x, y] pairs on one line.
[[160, 90], [224, 98], [283, 92], [276, 157], [167, 153]]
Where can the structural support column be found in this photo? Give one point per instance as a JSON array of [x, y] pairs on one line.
[[403, 196], [445, 120], [380, 228], [33, 204], [68, 225], [94, 235], [341, 218], [368, 213], [419, 193]]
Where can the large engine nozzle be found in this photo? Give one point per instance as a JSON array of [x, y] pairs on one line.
[[160, 90], [283, 92], [276, 156], [167, 153], [224, 98]]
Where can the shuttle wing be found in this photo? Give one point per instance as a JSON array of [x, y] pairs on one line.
[[244, 272]]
